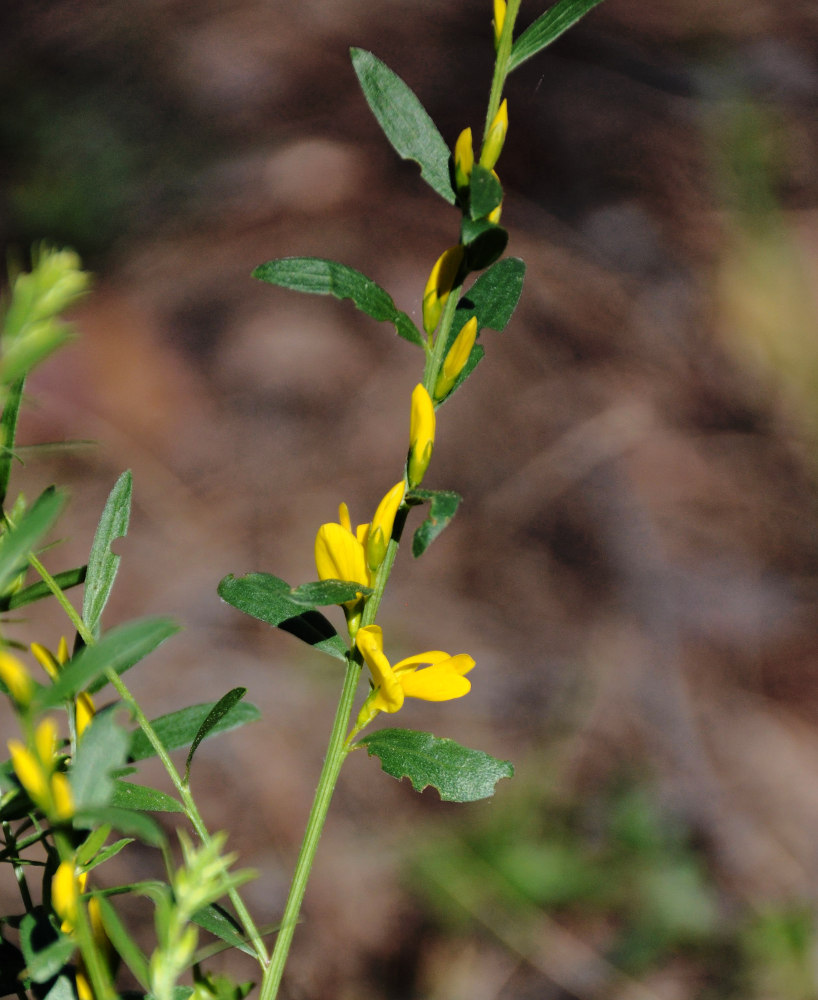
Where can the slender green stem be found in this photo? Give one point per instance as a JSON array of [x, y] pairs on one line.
[[188, 802], [62, 600], [13, 849], [336, 754], [190, 807], [435, 359], [498, 80]]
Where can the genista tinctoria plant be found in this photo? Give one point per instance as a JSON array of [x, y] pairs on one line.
[[67, 801]]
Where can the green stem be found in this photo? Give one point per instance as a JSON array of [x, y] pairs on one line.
[[498, 80], [435, 359], [191, 810], [336, 754], [13, 848], [190, 807]]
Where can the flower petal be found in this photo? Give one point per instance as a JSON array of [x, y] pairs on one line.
[[339, 555], [440, 682]]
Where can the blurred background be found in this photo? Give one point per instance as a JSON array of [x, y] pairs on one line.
[[635, 563]]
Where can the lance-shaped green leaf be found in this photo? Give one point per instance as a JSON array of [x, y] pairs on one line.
[[492, 298], [267, 598], [324, 592], [222, 708], [458, 773], [442, 507], [37, 591], [142, 798], [485, 192], [123, 943], [102, 749], [102, 562], [8, 432], [18, 542], [405, 121], [178, 729], [218, 921], [136, 824], [547, 28], [118, 649], [317, 276]]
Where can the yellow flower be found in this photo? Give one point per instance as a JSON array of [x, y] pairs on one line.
[[463, 159], [499, 20], [440, 283], [421, 435], [456, 358], [62, 797], [33, 776], [380, 530], [430, 676], [48, 661], [495, 137], [340, 555], [16, 678], [85, 711], [65, 894]]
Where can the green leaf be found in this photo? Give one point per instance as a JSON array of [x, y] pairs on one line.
[[142, 798], [212, 719], [123, 943], [459, 774], [37, 591], [102, 562], [547, 28], [493, 297], [442, 507], [17, 542], [484, 242], [61, 990], [324, 592], [127, 821], [108, 852], [119, 649], [91, 845], [317, 276], [8, 432], [43, 960], [218, 921], [102, 749], [485, 192], [405, 122], [268, 599], [178, 729]]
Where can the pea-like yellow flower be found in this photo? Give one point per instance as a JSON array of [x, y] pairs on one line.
[[48, 661], [456, 358], [65, 894], [340, 554], [440, 283], [61, 796], [463, 159], [31, 774], [499, 20], [16, 678], [421, 435], [495, 138], [380, 530], [430, 676]]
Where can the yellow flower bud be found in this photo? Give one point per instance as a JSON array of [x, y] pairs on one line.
[[16, 678], [62, 797], [456, 359], [495, 137], [421, 435], [440, 283], [45, 741], [30, 771], [380, 531], [85, 711], [463, 159], [499, 20], [65, 894]]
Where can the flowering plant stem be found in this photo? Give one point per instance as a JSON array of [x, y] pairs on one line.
[[181, 786]]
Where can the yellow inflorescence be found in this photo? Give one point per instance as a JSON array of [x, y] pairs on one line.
[[421, 435]]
